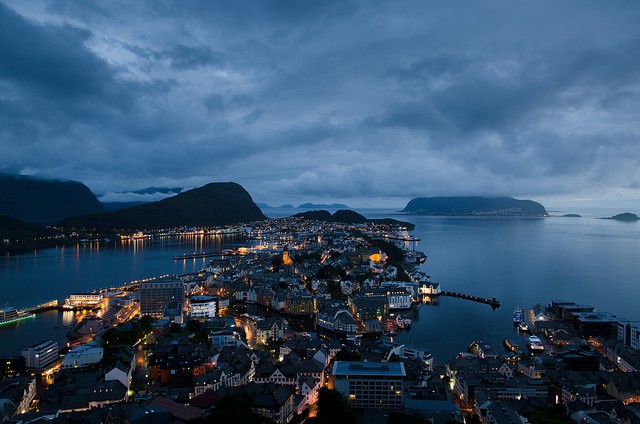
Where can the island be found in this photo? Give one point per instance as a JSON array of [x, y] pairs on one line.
[[627, 217], [474, 206], [572, 215], [351, 217], [323, 206]]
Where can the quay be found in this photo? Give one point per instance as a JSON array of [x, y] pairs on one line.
[[493, 302], [196, 255]]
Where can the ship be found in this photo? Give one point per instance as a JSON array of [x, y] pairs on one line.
[[9, 314], [518, 317], [535, 344], [523, 327], [415, 257]]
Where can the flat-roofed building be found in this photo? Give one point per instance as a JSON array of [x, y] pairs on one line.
[[82, 356], [370, 384], [84, 300], [39, 356], [203, 306], [155, 294]]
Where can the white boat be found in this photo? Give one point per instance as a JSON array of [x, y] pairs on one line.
[[518, 316], [10, 314], [535, 344], [523, 327]]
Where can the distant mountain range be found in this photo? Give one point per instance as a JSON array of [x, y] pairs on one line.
[[349, 217], [212, 204], [315, 206], [45, 201], [465, 206]]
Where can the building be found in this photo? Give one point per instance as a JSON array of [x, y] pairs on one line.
[[39, 356], [11, 366], [203, 306], [370, 384], [83, 300], [270, 328], [82, 356], [154, 295]]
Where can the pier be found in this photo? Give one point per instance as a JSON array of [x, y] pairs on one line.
[[493, 302], [196, 255]]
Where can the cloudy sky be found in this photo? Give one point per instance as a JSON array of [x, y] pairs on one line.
[[366, 102]]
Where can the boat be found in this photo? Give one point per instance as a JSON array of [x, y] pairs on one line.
[[523, 327], [415, 257], [9, 314], [403, 322], [535, 344], [517, 316]]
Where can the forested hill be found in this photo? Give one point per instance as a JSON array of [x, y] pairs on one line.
[[462, 206], [210, 205], [45, 201]]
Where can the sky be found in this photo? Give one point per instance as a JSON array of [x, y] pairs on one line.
[[369, 103]]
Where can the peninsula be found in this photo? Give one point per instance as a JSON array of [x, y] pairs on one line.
[[473, 206]]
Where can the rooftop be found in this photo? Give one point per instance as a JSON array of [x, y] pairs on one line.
[[377, 369]]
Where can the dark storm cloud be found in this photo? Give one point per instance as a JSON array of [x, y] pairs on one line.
[[334, 100]]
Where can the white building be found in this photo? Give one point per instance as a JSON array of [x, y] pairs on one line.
[[39, 356], [84, 300], [203, 306], [82, 356]]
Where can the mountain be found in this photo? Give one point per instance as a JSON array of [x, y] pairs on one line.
[[349, 217], [627, 216], [116, 200], [14, 229], [45, 201], [212, 204], [323, 206], [462, 206]]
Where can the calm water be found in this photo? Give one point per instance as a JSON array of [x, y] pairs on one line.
[[520, 261]]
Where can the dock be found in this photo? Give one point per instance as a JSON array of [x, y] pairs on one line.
[[196, 255], [493, 302]]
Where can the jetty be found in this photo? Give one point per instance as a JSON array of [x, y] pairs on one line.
[[493, 302], [196, 255]]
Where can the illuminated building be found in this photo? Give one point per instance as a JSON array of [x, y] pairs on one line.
[[39, 356], [154, 295], [370, 384]]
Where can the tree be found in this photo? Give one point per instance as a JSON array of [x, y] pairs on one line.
[[235, 410], [333, 408]]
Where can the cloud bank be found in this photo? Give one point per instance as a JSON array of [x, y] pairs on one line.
[[361, 102]]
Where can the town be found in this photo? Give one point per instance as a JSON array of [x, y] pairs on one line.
[[306, 310]]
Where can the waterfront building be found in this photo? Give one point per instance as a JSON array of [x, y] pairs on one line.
[[41, 355], [334, 316], [82, 356], [203, 306], [83, 300], [428, 288], [370, 384], [155, 294], [397, 297]]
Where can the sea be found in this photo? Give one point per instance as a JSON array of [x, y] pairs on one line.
[[519, 261]]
